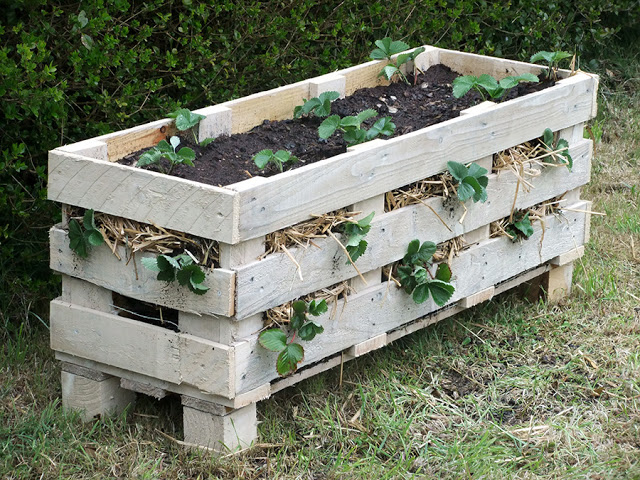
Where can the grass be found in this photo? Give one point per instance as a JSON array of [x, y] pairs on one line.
[[509, 389]]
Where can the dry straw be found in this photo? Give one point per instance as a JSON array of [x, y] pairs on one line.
[[139, 237], [281, 315]]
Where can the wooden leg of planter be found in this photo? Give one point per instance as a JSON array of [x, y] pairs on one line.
[[93, 393], [219, 428], [557, 282], [86, 294], [374, 204]]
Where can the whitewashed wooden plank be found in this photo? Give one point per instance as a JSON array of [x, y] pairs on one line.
[[328, 83], [479, 297], [89, 148], [473, 64], [367, 346], [374, 168], [274, 280], [160, 353], [275, 104], [104, 269], [381, 310], [142, 195], [568, 257], [218, 122]]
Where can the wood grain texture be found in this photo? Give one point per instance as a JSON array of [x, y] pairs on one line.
[[94, 398], [160, 353], [122, 143], [238, 401], [377, 167], [473, 64], [104, 269], [377, 311], [274, 280], [276, 104], [142, 195]]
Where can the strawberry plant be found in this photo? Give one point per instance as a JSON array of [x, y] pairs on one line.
[[167, 150], [351, 128], [181, 267], [521, 227], [320, 105], [553, 60], [559, 149], [386, 49], [278, 159], [186, 120], [83, 237], [487, 86], [355, 233], [290, 354], [472, 181], [416, 278]]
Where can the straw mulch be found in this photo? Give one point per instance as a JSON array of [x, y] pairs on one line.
[[304, 233], [142, 237], [281, 315], [537, 213], [441, 185]]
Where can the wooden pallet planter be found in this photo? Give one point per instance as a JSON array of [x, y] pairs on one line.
[[214, 360]]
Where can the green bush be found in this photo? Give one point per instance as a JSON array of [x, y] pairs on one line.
[[70, 71]]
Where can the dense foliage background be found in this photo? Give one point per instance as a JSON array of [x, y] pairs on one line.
[[71, 71]]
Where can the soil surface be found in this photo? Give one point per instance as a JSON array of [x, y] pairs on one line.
[[426, 101]]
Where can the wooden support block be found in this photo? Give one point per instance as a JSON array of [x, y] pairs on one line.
[[217, 123], [219, 329], [234, 430], [572, 134], [241, 253], [568, 257], [476, 298], [88, 148], [486, 163], [94, 398], [368, 345], [328, 83], [477, 235], [144, 388], [557, 283], [86, 294]]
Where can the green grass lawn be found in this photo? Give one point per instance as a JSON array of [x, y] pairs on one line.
[[509, 389]]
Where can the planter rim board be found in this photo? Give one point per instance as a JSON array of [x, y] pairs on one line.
[[244, 367], [82, 175], [273, 280]]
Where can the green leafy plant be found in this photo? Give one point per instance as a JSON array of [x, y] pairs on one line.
[[487, 86], [558, 149], [83, 237], [355, 233], [553, 60], [278, 159], [290, 354], [167, 150], [472, 181], [386, 49], [185, 119], [520, 226], [416, 278], [350, 125], [320, 105], [181, 267]]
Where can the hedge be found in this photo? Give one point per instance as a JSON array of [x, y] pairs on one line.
[[71, 71]]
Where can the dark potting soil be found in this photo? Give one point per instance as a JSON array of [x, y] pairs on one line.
[[426, 101]]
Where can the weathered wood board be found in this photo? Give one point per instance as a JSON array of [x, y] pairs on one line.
[[132, 345], [104, 269], [385, 308], [274, 280]]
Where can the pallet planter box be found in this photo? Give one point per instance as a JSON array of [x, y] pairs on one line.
[[214, 360]]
